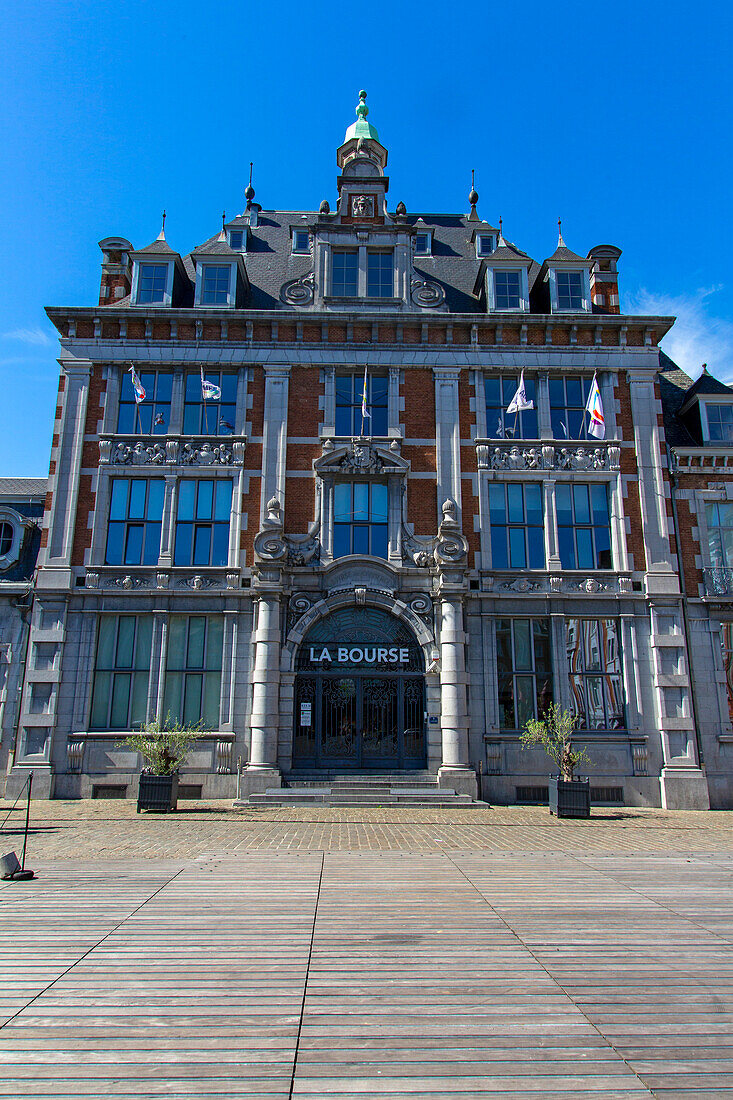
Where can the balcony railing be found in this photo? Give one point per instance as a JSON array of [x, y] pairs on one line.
[[718, 582]]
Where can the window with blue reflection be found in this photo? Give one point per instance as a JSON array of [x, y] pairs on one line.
[[507, 289], [153, 415], [524, 670], [503, 425], [135, 516], [568, 400], [151, 282], [210, 417], [583, 525], [202, 522], [720, 423], [349, 391], [569, 289], [344, 274], [380, 275], [516, 525], [360, 519], [215, 285]]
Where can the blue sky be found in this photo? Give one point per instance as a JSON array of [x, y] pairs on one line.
[[615, 117]]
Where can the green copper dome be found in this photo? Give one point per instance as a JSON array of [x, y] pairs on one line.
[[361, 128]]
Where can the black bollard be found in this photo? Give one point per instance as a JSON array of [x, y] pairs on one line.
[[23, 873]]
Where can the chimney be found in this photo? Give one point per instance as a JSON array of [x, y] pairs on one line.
[[604, 278], [116, 274]]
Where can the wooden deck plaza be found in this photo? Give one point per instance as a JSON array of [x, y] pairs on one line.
[[327, 974]]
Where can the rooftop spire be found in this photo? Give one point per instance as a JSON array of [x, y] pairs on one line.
[[501, 240], [361, 128], [161, 235], [249, 191], [560, 241], [222, 234], [473, 199]]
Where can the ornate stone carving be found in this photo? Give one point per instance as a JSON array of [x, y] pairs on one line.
[[205, 454], [521, 584], [555, 584], [269, 543], [422, 606], [362, 206], [549, 456], [494, 756], [129, 582], [640, 757], [133, 454], [198, 582], [161, 580], [361, 458], [582, 458], [302, 551], [425, 292], [589, 585], [415, 550], [451, 546], [360, 595], [299, 605], [74, 755], [91, 580], [299, 292], [223, 757], [171, 452]]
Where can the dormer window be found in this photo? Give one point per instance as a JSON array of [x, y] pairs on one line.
[[215, 284], [719, 422], [152, 283], [507, 290], [238, 240], [485, 244], [301, 242], [569, 290], [423, 244]]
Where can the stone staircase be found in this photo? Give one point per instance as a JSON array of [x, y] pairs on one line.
[[359, 789]]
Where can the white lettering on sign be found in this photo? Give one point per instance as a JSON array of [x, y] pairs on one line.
[[365, 654]]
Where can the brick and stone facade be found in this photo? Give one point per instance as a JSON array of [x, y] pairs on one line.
[[287, 313]]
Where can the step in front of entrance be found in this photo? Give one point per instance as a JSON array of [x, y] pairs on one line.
[[359, 796]]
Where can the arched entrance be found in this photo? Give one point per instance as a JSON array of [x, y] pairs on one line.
[[359, 694]]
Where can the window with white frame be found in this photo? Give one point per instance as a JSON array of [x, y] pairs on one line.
[[238, 240], [215, 281], [360, 518], [344, 273], [568, 401], [719, 522], [720, 423], [485, 244], [121, 671], [517, 528], [153, 415], [349, 392], [594, 668], [583, 525], [507, 289], [152, 280], [569, 289], [7, 534], [135, 518], [301, 241], [202, 522], [380, 275], [524, 670], [193, 669], [423, 244]]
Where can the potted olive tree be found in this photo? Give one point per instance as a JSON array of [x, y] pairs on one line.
[[569, 797], [163, 746]]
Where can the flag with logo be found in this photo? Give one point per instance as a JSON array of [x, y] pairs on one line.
[[364, 410], [209, 390], [137, 386], [594, 408], [519, 402]]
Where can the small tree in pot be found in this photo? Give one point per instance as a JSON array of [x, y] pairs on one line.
[[163, 746], [569, 797]]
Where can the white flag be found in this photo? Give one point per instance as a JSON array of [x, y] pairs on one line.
[[594, 408], [209, 390], [519, 402]]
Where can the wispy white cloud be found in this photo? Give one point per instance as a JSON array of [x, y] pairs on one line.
[[698, 335], [35, 336]]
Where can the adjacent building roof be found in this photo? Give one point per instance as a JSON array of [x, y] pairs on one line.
[[23, 486]]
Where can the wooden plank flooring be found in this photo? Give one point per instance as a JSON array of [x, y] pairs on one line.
[[396, 974]]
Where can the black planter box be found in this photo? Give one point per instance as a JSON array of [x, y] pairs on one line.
[[157, 792], [569, 799]]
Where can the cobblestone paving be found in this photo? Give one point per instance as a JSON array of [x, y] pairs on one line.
[[112, 830]]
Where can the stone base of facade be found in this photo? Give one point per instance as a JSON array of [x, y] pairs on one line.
[[257, 781], [43, 782], [460, 780], [684, 789]]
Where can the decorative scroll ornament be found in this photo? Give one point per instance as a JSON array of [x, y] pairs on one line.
[[298, 606], [299, 292], [415, 550], [425, 292], [361, 458], [521, 584], [451, 546], [422, 606], [269, 544]]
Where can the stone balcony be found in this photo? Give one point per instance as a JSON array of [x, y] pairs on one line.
[[558, 456], [171, 450]]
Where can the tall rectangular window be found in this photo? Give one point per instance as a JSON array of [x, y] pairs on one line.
[[349, 390], [215, 285], [507, 289], [202, 522], [524, 670], [360, 518], [210, 417], [193, 669], [568, 399], [583, 526], [499, 423], [569, 289], [719, 519], [344, 274], [594, 667], [151, 282], [720, 423], [122, 670], [380, 275], [726, 642], [517, 529], [153, 415], [135, 517]]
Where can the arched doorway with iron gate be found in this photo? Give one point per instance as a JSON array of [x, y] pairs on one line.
[[359, 694]]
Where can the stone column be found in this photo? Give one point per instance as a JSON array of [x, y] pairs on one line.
[[455, 771], [262, 770]]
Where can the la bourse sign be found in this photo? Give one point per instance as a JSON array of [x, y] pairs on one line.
[[358, 654]]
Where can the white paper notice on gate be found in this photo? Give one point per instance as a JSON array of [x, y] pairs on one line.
[[305, 714]]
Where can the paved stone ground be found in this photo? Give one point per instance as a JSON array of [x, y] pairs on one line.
[[343, 953], [113, 830]]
